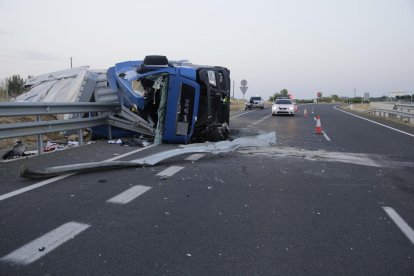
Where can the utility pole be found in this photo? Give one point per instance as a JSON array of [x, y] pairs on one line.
[[354, 92], [70, 62]]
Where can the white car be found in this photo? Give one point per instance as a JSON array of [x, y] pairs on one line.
[[283, 106], [256, 102]]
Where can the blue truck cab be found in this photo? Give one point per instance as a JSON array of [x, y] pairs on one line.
[[183, 102]]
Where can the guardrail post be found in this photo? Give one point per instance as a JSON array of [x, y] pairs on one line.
[[109, 132], [80, 133], [39, 139]]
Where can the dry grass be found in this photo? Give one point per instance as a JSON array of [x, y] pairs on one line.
[[28, 140], [236, 104], [358, 107]]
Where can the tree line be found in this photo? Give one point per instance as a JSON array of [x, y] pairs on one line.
[[12, 87]]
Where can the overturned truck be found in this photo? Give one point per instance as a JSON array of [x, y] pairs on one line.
[[181, 101], [173, 101]]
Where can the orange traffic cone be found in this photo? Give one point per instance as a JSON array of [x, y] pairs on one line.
[[318, 129], [305, 113]]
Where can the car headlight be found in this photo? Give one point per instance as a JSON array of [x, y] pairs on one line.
[[291, 108]]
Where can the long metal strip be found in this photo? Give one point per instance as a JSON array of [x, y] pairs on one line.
[[47, 108], [34, 128]]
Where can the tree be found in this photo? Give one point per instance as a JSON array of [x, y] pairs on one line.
[[335, 98], [283, 93], [15, 85]]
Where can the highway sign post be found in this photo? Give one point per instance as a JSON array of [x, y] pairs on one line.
[[243, 87]]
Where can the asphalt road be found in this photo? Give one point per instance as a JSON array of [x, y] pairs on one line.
[[335, 204]]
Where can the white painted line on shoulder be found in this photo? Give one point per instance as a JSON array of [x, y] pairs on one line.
[[129, 195], [326, 136], [54, 179], [195, 156], [241, 114], [260, 120], [34, 186], [129, 153], [371, 121], [36, 249], [170, 171], [404, 227]]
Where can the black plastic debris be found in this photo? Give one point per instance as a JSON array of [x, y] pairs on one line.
[[17, 150]]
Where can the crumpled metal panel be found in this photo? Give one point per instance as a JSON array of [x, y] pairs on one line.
[[262, 140]]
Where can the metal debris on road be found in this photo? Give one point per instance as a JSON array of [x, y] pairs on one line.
[[214, 148]]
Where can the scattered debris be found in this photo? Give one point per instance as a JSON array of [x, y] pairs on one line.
[[52, 146], [318, 155], [73, 144], [17, 150], [137, 142], [119, 141], [214, 148], [133, 142]]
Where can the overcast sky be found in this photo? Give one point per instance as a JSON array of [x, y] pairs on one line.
[[305, 46]]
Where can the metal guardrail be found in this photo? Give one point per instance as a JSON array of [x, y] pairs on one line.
[[24, 109], [39, 127], [407, 105], [392, 114]]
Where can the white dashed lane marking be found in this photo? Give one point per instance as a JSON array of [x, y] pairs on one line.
[[195, 156], [129, 195], [404, 227], [170, 171], [34, 186], [57, 178], [36, 249]]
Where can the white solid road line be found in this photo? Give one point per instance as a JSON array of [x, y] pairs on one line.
[[36, 249], [195, 156], [34, 186], [400, 131], [54, 179], [241, 114], [404, 227], [129, 195], [170, 171], [129, 153], [326, 136], [260, 120]]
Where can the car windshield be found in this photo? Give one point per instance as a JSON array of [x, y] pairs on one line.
[[284, 101]]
